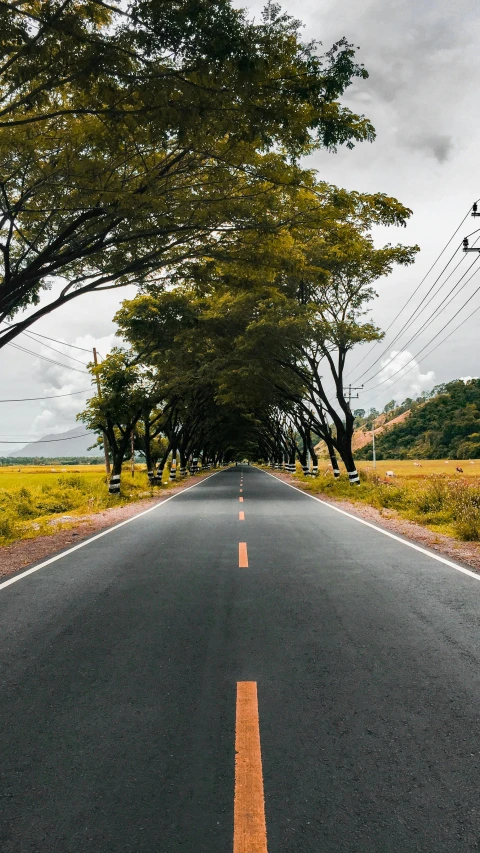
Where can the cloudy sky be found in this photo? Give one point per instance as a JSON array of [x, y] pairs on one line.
[[422, 97]]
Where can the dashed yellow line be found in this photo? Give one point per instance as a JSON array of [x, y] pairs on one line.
[[250, 831]]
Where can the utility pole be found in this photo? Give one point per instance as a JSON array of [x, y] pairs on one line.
[[105, 439], [348, 392], [373, 442], [466, 247]]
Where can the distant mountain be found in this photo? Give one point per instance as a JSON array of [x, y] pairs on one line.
[[446, 426], [74, 442]]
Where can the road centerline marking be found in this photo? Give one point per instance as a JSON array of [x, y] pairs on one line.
[[250, 830], [241, 515], [242, 555], [241, 500]]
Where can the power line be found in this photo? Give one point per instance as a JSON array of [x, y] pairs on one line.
[[434, 348], [48, 440], [415, 312], [74, 346], [430, 341], [451, 295], [38, 335], [65, 355], [48, 397], [58, 363]]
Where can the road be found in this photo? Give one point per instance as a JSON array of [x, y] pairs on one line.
[[341, 664]]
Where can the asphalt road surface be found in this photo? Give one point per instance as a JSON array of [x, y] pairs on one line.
[[340, 664]]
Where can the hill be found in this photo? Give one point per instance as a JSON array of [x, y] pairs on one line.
[[446, 426], [74, 442]]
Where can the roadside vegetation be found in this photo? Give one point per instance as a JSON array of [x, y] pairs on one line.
[[446, 503], [39, 502]]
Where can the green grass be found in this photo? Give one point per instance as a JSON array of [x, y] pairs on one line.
[[34, 500]]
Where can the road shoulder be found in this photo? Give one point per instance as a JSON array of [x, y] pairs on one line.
[[25, 552], [465, 552]]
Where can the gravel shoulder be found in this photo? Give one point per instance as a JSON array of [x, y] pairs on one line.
[[23, 553], [466, 552]]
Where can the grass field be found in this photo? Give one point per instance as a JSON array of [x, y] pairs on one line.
[[424, 467], [37, 501], [435, 494]]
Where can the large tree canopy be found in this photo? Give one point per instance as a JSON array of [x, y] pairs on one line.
[[131, 139]]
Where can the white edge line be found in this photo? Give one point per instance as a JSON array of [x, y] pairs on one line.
[[104, 533], [378, 529]]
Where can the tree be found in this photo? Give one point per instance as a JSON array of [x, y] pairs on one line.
[[127, 391], [164, 134], [302, 319]]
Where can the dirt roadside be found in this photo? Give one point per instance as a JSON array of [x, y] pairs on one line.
[[465, 552], [23, 553]]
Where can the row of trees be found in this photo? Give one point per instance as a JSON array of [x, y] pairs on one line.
[[246, 356], [159, 143]]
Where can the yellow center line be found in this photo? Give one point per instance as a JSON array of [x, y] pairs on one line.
[[242, 555], [241, 515], [249, 827], [241, 500]]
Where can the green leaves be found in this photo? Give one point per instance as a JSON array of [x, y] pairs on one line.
[[134, 139]]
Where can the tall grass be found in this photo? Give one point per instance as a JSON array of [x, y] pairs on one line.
[[41, 506]]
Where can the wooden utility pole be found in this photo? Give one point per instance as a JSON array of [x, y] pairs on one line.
[[105, 439]]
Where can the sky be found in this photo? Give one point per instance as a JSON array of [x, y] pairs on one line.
[[422, 98]]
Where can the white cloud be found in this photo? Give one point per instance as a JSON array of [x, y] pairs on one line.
[[402, 377]]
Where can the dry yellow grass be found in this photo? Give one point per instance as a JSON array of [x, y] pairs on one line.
[[40, 500], [423, 467]]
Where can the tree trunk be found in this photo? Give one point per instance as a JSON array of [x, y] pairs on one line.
[[173, 468], [161, 466], [183, 463], [148, 453], [314, 458], [118, 452], [345, 450]]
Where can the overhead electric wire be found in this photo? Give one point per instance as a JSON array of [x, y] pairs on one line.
[[74, 346], [48, 397], [451, 295], [44, 357], [414, 293], [55, 349], [434, 348], [29, 333], [440, 308], [412, 317], [429, 342], [48, 440]]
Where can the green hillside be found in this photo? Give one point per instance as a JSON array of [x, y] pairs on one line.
[[446, 426]]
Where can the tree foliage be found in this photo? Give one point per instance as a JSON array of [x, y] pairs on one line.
[[131, 139]]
